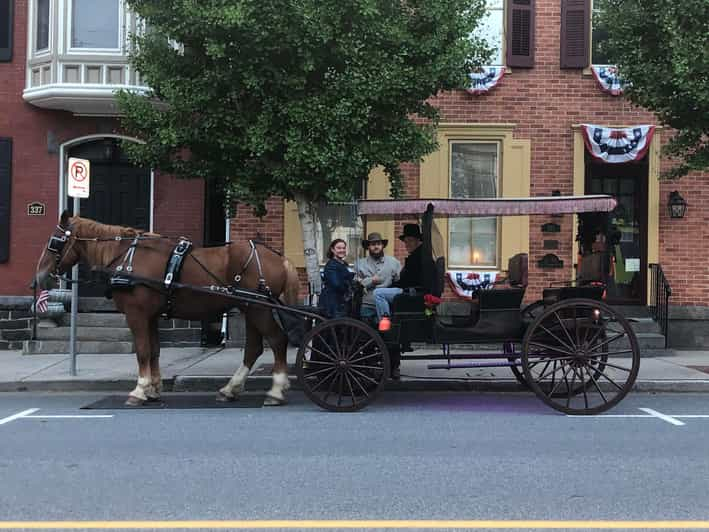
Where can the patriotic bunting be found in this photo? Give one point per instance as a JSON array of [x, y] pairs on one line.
[[608, 79], [617, 145], [467, 283], [41, 303], [484, 79]]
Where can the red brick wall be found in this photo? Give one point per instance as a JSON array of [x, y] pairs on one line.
[[178, 204]]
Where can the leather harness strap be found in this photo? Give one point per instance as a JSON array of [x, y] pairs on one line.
[[173, 269]]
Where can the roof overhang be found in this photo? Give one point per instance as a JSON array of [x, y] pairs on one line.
[[80, 99]]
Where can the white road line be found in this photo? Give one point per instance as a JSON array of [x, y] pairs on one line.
[[689, 415], [19, 415], [663, 417], [68, 416]]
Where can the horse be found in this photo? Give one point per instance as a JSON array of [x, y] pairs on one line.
[[140, 259]]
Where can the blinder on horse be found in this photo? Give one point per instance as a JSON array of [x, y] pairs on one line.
[[56, 246]]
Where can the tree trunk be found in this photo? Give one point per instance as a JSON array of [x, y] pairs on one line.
[[308, 224]]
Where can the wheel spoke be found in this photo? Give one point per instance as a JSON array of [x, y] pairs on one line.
[[366, 377], [602, 374], [333, 371], [570, 389], [610, 364], [595, 384], [560, 380], [356, 381], [349, 385], [549, 347], [565, 331], [360, 350], [326, 344], [312, 374], [571, 349], [333, 333], [339, 394], [360, 366], [329, 389], [538, 379], [607, 341]]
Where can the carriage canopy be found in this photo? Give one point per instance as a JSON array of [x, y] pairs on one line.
[[490, 206]]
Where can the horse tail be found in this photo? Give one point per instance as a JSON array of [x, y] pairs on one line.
[[292, 286]]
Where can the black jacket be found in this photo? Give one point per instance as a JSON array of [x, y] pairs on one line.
[[417, 271], [336, 288]]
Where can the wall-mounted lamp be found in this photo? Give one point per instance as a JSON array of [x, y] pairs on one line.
[[676, 205]]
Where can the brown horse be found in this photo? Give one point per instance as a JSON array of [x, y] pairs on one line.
[[108, 247]]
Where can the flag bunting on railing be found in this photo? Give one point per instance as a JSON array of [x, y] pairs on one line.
[[608, 79], [484, 79], [466, 283], [42, 301], [613, 145]]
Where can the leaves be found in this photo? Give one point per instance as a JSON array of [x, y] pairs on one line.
[[286, 97], [662, 49]]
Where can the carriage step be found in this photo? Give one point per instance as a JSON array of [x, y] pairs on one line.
[[457, 365], [59, 347]]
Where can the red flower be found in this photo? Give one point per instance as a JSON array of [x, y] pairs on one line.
[[430, 300]]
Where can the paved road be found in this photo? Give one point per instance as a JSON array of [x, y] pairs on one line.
[[457, 456]]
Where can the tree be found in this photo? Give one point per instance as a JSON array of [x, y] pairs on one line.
[[662, 49], [295, 98]]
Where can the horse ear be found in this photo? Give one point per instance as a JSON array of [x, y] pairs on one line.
[[64, 219]]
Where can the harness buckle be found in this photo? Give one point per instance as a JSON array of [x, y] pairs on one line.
[[168, 279]]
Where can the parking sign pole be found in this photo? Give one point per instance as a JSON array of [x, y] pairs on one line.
[[74, 306]]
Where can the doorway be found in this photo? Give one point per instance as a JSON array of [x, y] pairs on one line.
[[623, 233], [119, 195]]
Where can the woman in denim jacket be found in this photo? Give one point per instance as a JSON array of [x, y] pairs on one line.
[[337, 281]]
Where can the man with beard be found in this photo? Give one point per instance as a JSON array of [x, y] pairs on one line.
[[377, 270]]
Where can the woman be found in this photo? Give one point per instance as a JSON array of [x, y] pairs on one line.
[[337, 281]]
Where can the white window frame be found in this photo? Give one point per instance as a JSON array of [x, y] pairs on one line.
[[498, 225], [34, 29], [121, 45]]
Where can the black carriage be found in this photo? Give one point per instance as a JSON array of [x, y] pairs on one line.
[[576, 353]]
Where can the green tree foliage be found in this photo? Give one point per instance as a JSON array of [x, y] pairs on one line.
[[289, 97], [662, 50]]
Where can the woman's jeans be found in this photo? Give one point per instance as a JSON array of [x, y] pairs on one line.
[[383, 298]]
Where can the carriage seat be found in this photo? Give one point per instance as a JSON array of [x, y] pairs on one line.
[[589, 283]]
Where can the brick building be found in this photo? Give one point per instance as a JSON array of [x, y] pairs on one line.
[[59, 66]]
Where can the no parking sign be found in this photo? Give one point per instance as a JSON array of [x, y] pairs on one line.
[[79, 172]]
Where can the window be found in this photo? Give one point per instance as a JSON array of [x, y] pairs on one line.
[[340, 220], [600, 55], [95, 24], [6, 21], [491, 29], [474, 173]]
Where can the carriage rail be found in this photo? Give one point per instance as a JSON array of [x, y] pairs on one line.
[[660, 292]]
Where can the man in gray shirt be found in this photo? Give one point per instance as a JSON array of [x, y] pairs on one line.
[[375, 271]]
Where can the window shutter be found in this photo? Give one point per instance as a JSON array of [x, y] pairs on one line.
[[575, 33], [6, 30], [520, 33], [5, 174]]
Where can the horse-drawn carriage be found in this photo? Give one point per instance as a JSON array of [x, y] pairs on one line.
[[577, 354]]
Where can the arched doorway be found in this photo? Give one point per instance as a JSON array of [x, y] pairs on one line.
[[120, 192]]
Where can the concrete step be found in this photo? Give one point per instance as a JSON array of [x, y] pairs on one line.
[[645, 325], [633, 311], [99, 334], [47, 347], [651, 341], [15, 324], [96, 319], [96, 304]]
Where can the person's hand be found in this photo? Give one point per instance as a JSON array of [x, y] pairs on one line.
[[376, 279]]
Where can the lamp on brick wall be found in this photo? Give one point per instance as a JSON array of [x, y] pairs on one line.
[[676, 205]]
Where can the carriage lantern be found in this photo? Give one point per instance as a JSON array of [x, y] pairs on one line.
[[677, 205]]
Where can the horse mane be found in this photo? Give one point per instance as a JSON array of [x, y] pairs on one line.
[[87, 228]]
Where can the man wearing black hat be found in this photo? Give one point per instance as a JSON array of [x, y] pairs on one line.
[[377, 270], [415, 273]]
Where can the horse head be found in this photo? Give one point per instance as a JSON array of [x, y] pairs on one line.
[[60, 254]]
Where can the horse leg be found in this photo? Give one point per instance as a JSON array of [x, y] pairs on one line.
[[278, 341], [155, 378], [140, 327], [252, 350]]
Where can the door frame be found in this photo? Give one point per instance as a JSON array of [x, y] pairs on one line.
[[653, 195], [64, 149]]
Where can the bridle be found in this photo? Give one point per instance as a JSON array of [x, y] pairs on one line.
[[56, 246]]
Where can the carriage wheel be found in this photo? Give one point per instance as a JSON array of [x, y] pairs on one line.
[[529, 314], [580, 356], [508, 349], [342, 365]]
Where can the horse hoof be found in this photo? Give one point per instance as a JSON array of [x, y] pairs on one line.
[[223, 398], [134, 401], [273, 401]]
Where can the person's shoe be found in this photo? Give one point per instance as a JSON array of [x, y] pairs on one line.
[[384, 324]]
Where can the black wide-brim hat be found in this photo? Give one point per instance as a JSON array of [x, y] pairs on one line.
[[374, 237], [411, 230]]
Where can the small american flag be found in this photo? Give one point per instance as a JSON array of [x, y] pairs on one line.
[[42, 299]]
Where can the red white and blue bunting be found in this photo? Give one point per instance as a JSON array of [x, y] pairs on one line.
[[612, 145], [466, 283], [608, 79], [485, 79]]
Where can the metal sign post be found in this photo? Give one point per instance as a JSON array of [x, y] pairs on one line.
[[79, 187]]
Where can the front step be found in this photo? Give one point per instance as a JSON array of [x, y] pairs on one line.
[[98, 334], [60, 347], [96, 319]]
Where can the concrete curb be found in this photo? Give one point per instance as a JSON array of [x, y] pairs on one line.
[[196, 383]]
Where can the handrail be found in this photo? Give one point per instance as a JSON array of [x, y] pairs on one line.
[[660, 292]]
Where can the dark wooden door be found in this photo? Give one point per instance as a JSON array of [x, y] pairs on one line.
[[120, 195], [625, 229]]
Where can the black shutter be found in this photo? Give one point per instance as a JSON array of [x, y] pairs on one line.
[[5, 177], [6, 30], [520, 33], [575, 33]]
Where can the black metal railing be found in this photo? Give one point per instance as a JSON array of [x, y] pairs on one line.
[[660, 293]]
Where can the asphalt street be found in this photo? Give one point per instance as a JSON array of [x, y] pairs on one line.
[[424, 455]]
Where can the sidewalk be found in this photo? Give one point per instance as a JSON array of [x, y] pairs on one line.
[[206, 369]]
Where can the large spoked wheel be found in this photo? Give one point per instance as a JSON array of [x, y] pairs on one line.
[[580, 356], [342, 365], [529, 314]]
